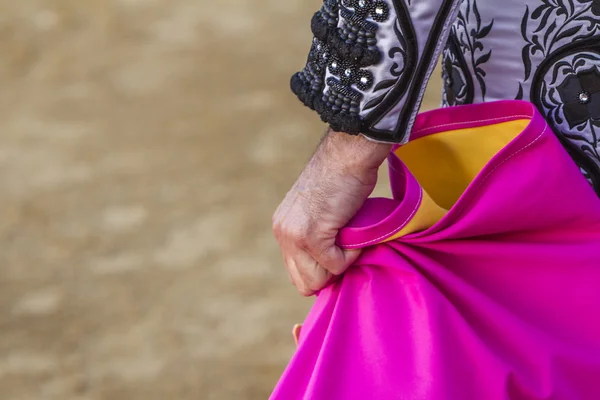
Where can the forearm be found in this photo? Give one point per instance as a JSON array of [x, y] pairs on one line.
[[354, 155]]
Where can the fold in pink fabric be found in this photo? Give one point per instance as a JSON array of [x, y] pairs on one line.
[[498, 299]]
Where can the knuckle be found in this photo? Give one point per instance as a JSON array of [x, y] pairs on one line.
[[327, 260], [336, 269], [277, 229], [301, 239], [317, 283], [290, 232], [296, 234], [324, 256], [315, 288], [306, 291]]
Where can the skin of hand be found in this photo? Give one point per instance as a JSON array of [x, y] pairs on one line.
[[333, 186]]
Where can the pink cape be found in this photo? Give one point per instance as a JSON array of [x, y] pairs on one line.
[[497, 297]]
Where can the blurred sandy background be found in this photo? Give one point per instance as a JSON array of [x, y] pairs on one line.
[[144, 145]]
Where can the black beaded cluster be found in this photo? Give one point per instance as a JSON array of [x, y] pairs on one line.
[[349, 74], [311, 77], [378, 10], [355, 19], [357, 29], [309, 83], [319, 54], [329, 12], [355, 34], [345, 51], [341, 99]]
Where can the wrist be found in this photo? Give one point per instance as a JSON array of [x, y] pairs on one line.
[[354, 153]]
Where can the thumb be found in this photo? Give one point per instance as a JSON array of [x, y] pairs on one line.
[[337, 260]]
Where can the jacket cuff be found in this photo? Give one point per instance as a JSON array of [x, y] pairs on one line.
[[370, 62]]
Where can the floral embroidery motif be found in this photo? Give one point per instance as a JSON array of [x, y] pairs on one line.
[[556, 23], [566, 89], [566, 85], [580, 94]]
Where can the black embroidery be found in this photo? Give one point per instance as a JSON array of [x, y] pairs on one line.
[[458, 83], [309, 83], [408, 53], [520, 93], [346, 32], [596, 8], [356, 38], [548, 36], [348, 29], [340, 97], [378, 10], [580, 93], [328, 14], [351, 75], [566, 90], [342, 51], [417, 74], [529, 47], [470, 41], [564, 85]]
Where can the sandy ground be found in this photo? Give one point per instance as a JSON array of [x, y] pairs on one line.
[[144, 145]]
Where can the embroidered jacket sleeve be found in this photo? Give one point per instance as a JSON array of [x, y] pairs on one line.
[[370, 62]]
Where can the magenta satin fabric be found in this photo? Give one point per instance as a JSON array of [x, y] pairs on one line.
[[498, 300]]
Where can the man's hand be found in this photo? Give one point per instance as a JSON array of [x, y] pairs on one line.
[[333, 186]]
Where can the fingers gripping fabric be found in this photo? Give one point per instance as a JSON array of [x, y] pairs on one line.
[[370, 61]]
